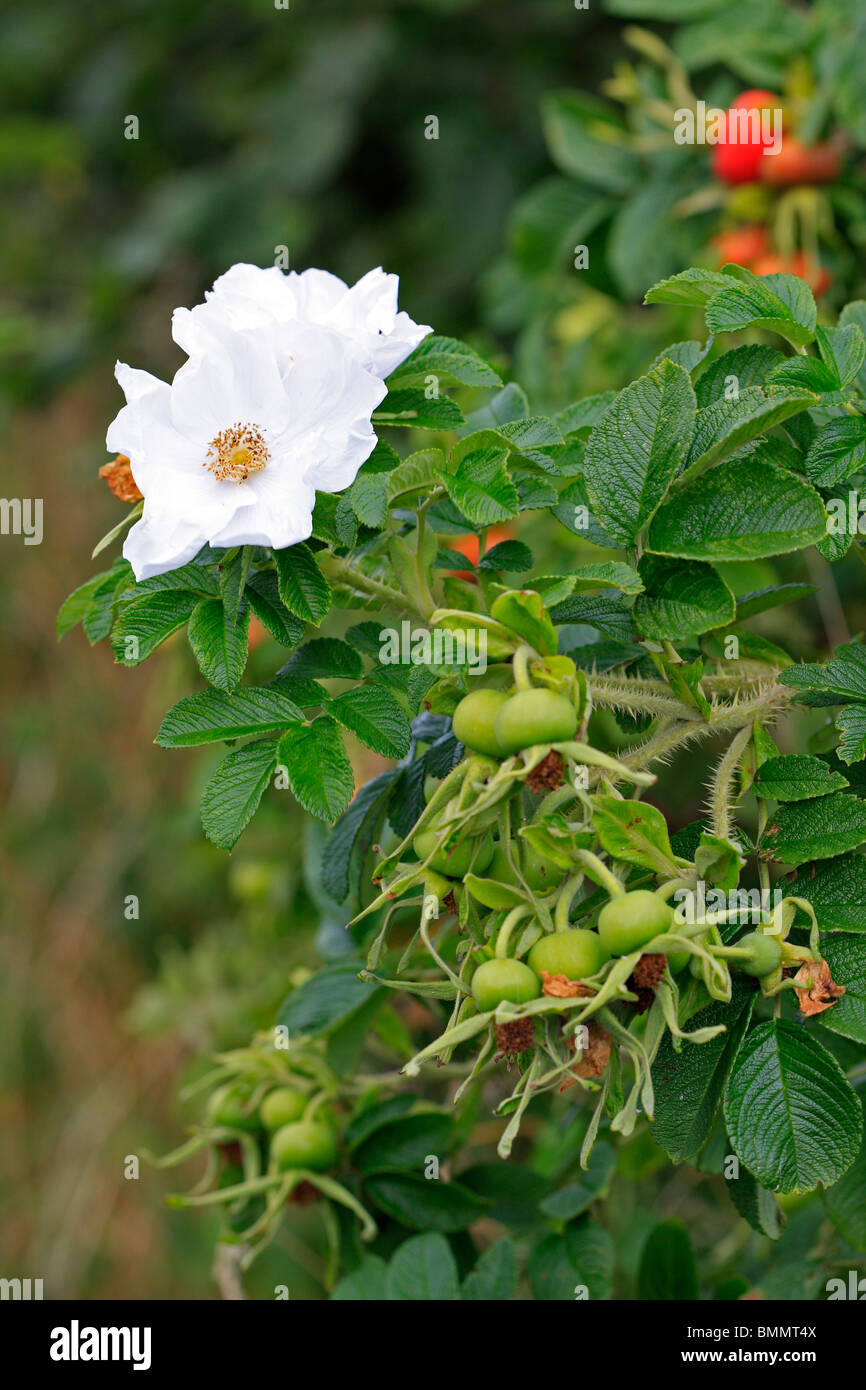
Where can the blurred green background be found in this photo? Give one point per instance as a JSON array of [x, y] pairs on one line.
[[257, 127]]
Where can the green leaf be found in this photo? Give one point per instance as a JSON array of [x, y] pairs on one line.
[[352, 833], [364, 1284], [806, 374], [843, 349], [797, 778], [570, 1201], [668, 1271], [792, 1116], [741, 367], [494, 1278], [417, 473], [508, 404], [141, 626], [591, 1250], [851, 723], [211, 716], [689, 1083], [302, 586], [319, 771], [263, 596], [376, 717], [232, 795], [574, 511], [633, 831], [369, 498], [482, 488], [855, 312], [219, 645], [512, 557], [584, 142], [818, 829], [232, 581], [844, 676], [682, 599], [756, 1204], [424, 1205], [777, 303], [610, 574], [444, 357], [422, 1270], [325, 658], [846, 957], [411, 408], [582, 415], [78, 604], [742, 510], [637, 448], [693, 286], [844, 1202], [725, 426], [759, 600], [326, 999], [406, 1142], [837, 450], [523, 611], [686, 354], [836, 889]]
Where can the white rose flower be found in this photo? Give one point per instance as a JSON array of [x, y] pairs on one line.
[[365, 316], [232, 452]]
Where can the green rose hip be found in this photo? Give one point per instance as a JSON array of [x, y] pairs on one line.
[[628, 922]]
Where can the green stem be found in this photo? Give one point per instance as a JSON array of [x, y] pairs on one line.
[[720, 795], [522, 657]]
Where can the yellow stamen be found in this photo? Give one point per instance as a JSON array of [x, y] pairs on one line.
[[236, 453]]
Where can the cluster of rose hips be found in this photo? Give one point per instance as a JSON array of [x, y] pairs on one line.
[[531, 984], [749, 162]]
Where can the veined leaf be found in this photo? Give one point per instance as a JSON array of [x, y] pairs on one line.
[[818, 829], [796, 778], [302, 586], [141, 626], [376, 717], [212, 716], [682, 599], [219, 645], [232, 795], [319, 771]]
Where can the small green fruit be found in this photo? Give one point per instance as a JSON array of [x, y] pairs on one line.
[[282, 1106], [474, 721], [496, 981], [628, 922], [535, 716], [306, 1144], [765, 953], [575, 954]]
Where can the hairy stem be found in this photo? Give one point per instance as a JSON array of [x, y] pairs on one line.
[[721, 785]]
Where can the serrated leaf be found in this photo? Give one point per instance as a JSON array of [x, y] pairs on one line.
[[797, 777], [756, 1204], [494, 1278], [410, 408], [582, 415], [778, 303], [232, 581], [427, 1206], [302, 586], [417, 473], [512, 557], [444, 357], [837, 450], [844, 1202], [141, 626], [792, 1116], [725, 426], [233, 792], [689, 1083], [263, 596], [693, 286], [482, 487], [637, 448], [851, 723], [611, 574], [422, 1270], [818, 829], [741, 510], [369, 498], [219, 645], [77, 605], [212, 716], [748, 365], [843, 349], [836, 889], [319, 771], [846, 956], [374, 715], [682, 599], [324, 658]]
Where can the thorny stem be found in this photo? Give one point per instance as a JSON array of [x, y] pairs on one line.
[[720, 790], [341, 570], [662, 743]]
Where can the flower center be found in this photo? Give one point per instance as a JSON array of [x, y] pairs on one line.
[[236, 453]]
